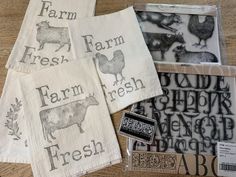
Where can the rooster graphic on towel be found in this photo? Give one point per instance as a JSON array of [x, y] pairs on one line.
[[114, 66]]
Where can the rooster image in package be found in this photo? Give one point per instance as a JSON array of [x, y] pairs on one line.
[[165, 27], [123, 61], [202, 30]]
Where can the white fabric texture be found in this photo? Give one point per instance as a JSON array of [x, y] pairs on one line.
[[13, 144], [45, 23], [69, 127], [123, 62], [43, 40]]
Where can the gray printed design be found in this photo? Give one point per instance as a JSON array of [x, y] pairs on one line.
[[202, 30], [12, 118], [162, 42], [163, 32], [114, 66], [161, 20], [137, 127], [64, 116], [195, 109], [184, 56], [52, 35], [154, 161]]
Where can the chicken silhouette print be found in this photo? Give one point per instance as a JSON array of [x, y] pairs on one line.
[[114, 66], [52, 35], [64, 116], [203, 31]]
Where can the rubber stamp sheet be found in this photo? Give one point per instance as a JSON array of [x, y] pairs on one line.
[[43, 41], [123, 62], [180, 33], [137, 127], [196, 110], [69, 127], [173, 163]]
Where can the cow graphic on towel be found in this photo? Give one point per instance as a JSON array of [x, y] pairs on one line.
[[64, 116]]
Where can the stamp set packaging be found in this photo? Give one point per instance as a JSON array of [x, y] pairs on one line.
[[182, 33], [196, 111]]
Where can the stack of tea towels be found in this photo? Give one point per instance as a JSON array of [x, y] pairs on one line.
[[67, 73]]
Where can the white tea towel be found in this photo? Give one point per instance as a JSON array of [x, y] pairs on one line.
[[69, 127], [43, 40], [123, 62], [13, 144]]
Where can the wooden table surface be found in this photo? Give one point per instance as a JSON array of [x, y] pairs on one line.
[[11, 16]]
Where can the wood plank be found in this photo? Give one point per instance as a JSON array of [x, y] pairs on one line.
[[11, 16]]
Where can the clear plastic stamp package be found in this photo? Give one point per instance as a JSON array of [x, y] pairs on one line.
[[196, 111], [179, 33]]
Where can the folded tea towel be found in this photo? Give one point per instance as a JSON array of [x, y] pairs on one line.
[[13, 144], [123, 62], [43, 40], [69, 127]]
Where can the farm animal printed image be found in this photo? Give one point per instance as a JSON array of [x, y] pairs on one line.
[[203, 31], [184, 56], [162, 41], [65, 116], [53, 35], [114, 66], [198, 26], [161, 20]]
